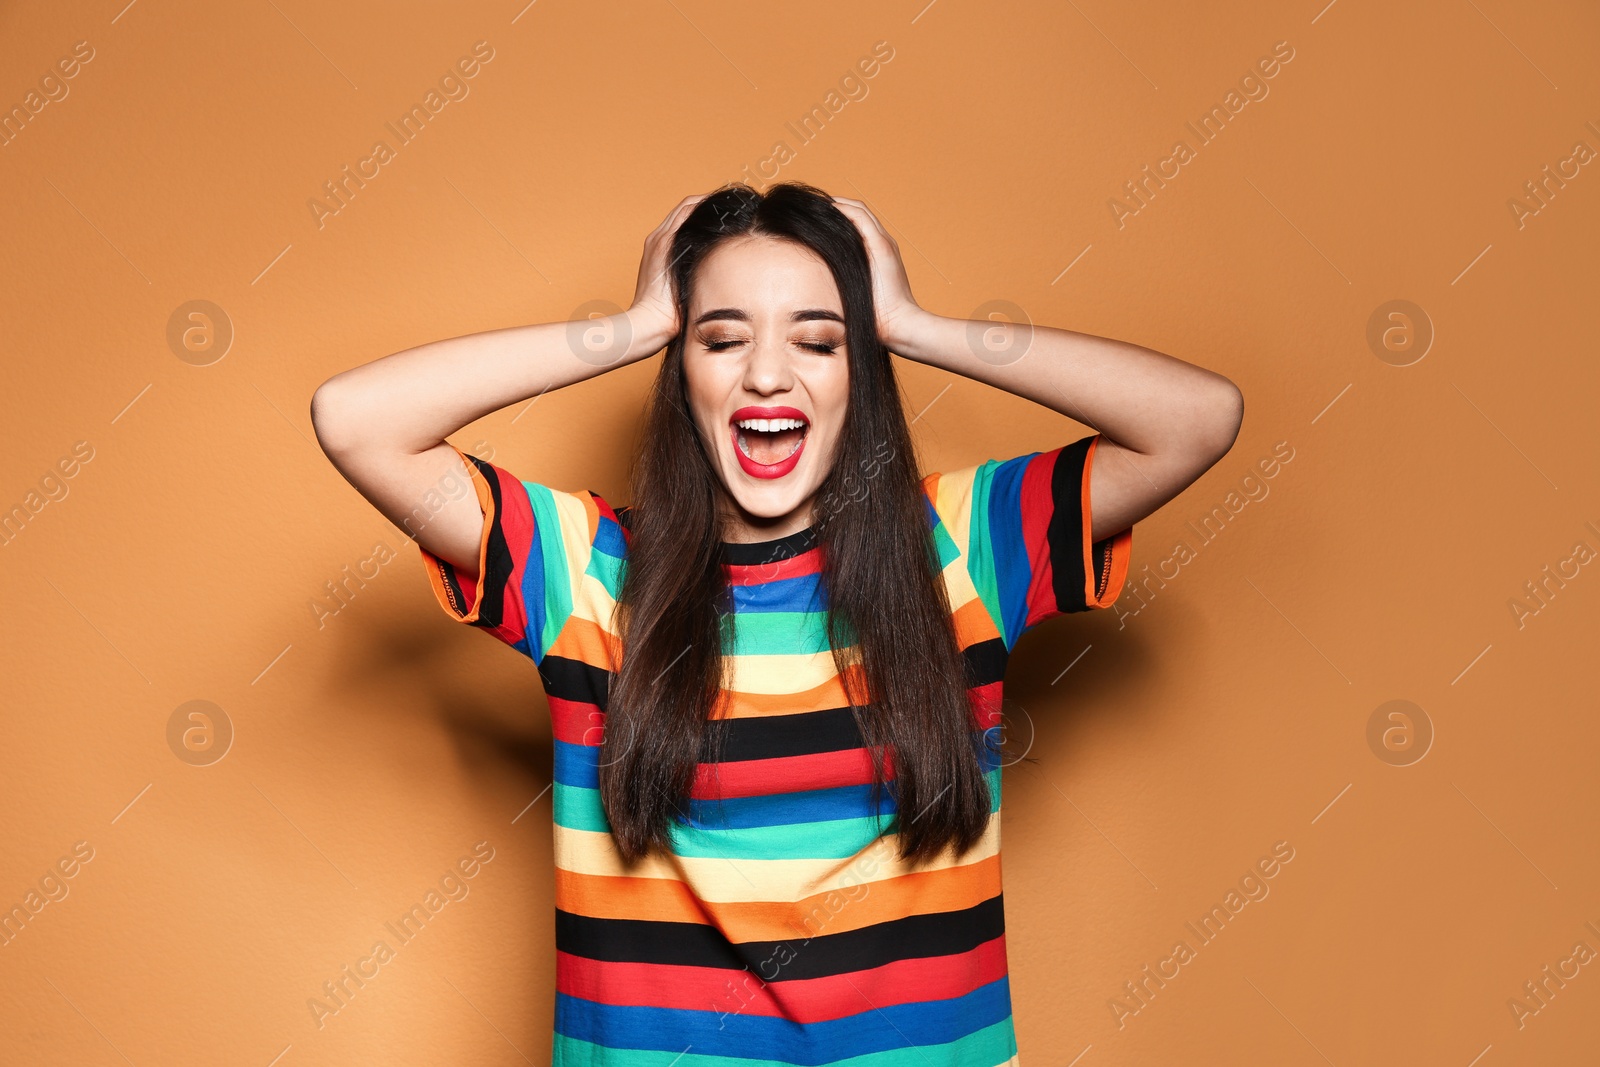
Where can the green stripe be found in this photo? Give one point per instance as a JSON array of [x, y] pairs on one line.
[[577, 808], [989, 1047], [980, 551], [607, 570], [557, 578], [779, 633], [828, 839], [945, 545]]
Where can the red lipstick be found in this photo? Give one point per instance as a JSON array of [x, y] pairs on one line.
[[767, 470]]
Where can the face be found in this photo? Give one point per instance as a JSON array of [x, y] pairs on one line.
[[768, 378]]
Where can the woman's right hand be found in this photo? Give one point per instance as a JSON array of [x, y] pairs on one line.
[[654, 313]]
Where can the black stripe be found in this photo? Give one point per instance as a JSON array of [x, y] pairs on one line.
[[571, 679], [498, 563], [1065, 532], [452, 588], [800, 734], [755, 553], [749, 553], [811, 953], [986, 662], [1102, 565]]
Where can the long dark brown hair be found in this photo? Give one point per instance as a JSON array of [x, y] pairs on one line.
[[889, 618]]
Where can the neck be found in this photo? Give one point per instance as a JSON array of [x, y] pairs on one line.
[[741, 527]]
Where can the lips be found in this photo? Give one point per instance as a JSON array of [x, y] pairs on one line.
[[768, 441]]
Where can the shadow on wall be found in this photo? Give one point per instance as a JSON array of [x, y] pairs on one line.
[[1072, 666], [497, 718]]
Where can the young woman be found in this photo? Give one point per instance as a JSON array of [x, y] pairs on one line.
[[774, 677]]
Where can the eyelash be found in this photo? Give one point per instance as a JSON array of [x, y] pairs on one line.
[[816, 346]]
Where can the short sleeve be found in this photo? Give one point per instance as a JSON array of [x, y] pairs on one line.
[[537, 546], [1022, 526]]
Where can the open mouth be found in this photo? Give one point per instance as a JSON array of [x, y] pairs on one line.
[[768, 441]]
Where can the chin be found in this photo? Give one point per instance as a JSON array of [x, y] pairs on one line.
[[773, 502]]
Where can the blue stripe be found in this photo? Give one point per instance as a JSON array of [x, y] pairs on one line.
[[726, 1031], [1012, 571], [608, 538], [547, 590], [781, 809], [802, 593], [577, 764]]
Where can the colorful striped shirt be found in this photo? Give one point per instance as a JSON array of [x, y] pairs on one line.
[[782, 929]]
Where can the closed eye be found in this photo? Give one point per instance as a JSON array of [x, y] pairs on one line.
[[814, 346]]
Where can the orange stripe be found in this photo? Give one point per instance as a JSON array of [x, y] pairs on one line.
[[829, 694], [583, 640], [669, 900], [973, 624]]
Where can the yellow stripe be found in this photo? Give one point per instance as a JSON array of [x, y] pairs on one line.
[[953, 501], [579, 518], [780, 674]]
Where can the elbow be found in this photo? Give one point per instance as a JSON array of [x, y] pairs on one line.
[[332, 419], [1224, 416]]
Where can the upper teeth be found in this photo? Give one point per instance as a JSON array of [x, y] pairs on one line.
[[770, 425]]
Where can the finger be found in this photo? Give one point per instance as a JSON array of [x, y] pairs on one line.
[[856, 207], [865, 221], [685, 209], [676, 213]]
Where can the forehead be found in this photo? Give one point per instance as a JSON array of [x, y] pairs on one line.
[[764, 274]]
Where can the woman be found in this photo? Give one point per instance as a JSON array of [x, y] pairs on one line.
[[776, 816]]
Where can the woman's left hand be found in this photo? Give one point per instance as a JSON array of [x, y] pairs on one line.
[[897, 310]]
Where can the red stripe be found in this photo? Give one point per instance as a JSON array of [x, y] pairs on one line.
[[786, 774], [1037, 507], [576, 722], [808, 1000], [808, 562], [985, 701], [516, 522]]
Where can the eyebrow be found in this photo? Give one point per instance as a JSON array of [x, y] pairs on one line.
[[740, 315]]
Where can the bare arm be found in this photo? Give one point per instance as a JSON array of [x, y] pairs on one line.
[[383, 424], [1164, 422]]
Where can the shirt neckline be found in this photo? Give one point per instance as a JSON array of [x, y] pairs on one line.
[[755, 553], [751, 553]]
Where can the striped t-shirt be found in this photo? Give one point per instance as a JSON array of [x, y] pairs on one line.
[[782, 929]]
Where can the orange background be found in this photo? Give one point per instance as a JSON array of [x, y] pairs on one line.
[[375, 747]]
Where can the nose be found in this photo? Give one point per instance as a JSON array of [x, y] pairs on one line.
[[768, 369]]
